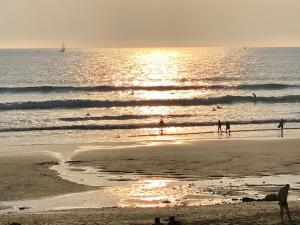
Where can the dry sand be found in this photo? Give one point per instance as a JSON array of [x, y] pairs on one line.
[[27, 176]]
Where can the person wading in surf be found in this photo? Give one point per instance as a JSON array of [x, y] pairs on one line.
[[219, 127], [227, 127], [162, 124], [281, 125], [282, 198]]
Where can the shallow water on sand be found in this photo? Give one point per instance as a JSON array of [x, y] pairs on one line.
[[137, 190]]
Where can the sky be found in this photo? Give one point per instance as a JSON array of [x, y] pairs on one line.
[[148, 23]]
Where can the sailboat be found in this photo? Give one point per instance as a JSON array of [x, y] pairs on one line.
[[63, 48]]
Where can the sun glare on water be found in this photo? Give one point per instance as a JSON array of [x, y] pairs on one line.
[[157, 67]]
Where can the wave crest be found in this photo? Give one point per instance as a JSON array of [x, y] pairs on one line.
[[80, 103]]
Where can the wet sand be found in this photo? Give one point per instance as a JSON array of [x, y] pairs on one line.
[[27, 176], [199, 159]]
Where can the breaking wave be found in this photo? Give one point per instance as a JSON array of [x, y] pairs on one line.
[[81, 103]]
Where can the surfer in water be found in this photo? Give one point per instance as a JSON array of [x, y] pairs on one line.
[[162, 124], [254, 97], [219, 127]]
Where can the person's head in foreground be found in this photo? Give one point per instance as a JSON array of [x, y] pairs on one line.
[[287, 186], [157, 221]]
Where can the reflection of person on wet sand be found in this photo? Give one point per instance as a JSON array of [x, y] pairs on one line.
[[219, 127], [282, 197], [162, 124], [157, 221], [172, 221], [227, 127]]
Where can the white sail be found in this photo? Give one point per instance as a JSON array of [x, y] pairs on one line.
[[63, 48]]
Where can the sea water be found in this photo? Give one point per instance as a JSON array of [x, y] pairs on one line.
[[96, 95]]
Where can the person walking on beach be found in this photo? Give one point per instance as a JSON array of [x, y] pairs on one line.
[[281, 125], [161, 124], [219, 127], [227, 127], [157, 221], [282, 198], [172, 221]]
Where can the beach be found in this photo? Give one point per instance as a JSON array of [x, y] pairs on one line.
[[80, 141], [183, 160]]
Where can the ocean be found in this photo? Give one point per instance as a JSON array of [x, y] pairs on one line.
[[116, 95]]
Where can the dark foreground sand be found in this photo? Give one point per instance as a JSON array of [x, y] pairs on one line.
[[242, 214]]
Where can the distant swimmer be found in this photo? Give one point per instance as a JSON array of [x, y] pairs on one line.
[[162, 124], [227, 127], [219, 107], [219, 127], [282, 198], [88, 114], [281, 125], [254, 96], [214, 109], [157, 221], [132, 92]]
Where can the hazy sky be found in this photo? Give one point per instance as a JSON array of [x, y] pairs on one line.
[[98, 23]]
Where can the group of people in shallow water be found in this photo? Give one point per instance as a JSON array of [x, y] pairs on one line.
[[227, 127], [162, 125], [282, 201]]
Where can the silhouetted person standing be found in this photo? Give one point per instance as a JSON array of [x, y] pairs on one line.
[[219, 127], [282, 197], [162, 124], [227, 127], [281, 125], [172, 221], [157, 221]]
